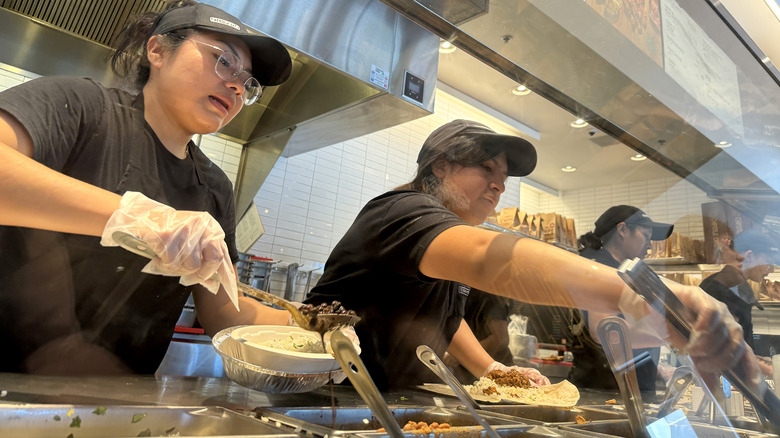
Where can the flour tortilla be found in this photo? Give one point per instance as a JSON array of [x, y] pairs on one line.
[[562, 395]]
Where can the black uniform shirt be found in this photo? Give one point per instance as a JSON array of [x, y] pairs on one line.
[[374, 270], [57, 285]]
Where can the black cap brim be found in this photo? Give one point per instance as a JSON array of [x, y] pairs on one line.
[[660, 231], [520, 153], [271, 63]]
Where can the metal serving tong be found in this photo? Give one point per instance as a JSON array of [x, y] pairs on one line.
[[429, 357], [649, 286], [320, 323], [353, 367], [616, 342], [681, 379]]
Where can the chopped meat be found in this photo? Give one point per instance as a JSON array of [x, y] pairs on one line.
[[511, 378]]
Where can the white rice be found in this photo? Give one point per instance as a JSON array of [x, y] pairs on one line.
[[298, 343]]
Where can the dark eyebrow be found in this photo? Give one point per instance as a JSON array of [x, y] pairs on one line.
[[233, 50]]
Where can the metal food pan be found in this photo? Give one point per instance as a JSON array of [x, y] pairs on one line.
[[517, 431], [47, 421], [349, 420], [551, 415], [621, 428]]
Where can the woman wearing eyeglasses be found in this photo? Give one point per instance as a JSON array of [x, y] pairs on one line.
[[82, 161]]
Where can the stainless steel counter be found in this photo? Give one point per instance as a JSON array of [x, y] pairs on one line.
[[201, 391]]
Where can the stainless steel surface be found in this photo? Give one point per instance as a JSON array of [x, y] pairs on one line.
[[550, 415], [613, 333], [341, 420], [647, 284], [623, 429], [680, 381], [191, 355], [46, 421], [429, 358], [258, 378], [358, 375], [292, 281]]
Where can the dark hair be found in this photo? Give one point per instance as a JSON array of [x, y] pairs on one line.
[[462, 150], [590, 240], [130, 61]]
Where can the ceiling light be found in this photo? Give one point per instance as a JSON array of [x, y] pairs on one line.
[[520, 90], [446, 47], [568, 169], [638, 157], [579, 123], [722, 144], [774, 7]]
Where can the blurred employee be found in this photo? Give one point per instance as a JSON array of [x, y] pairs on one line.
[[409, 260], [622, 233], [83, 161], [758, 253]]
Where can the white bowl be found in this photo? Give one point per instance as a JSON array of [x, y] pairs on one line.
[[250, 338]]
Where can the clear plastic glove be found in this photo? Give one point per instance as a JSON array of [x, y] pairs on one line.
[[536, 378], [716, 342], [188, 244]]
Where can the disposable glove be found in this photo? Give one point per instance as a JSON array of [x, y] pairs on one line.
[[716, 342], [188, 244], [536, 378]]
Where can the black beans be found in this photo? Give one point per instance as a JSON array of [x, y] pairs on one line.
[[333, 308]]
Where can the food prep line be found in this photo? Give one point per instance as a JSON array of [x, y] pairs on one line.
[[210, 406]]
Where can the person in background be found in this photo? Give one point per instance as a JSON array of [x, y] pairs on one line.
[[757, 253], [487, 315], [622, 232], [81, 161], [409, 260]]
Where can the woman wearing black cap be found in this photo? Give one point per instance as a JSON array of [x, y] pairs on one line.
[[82, 160], [623, 232], [407, 263]]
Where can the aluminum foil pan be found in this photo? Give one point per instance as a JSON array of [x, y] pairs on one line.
[[258, 378]]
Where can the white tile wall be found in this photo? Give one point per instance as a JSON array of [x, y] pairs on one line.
[[341, 178]]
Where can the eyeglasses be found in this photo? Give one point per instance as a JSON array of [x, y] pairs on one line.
[[229, 67]]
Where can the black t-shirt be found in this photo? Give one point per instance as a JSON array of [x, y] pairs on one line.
[[54, 285], [374, 270], [591, 366], [740, 309]]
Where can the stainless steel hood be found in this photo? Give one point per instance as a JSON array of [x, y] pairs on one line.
[[352, 62]]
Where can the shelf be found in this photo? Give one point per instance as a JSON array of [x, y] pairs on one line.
[[493, 227]]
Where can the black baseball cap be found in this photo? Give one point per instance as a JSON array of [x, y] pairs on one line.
[[520, 153], [757, 241], [631, 216], [271, 64]]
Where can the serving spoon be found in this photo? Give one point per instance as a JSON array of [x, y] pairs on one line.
[[320, 322]]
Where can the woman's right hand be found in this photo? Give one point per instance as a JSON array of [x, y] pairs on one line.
[[188, 244]]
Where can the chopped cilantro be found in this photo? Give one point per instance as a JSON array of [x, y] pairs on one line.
[[138, 417], [145, 432], [100, 410], [57, 418], [75, 422], [404, 398]]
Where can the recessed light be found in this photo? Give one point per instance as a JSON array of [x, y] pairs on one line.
[[722, 144], [568, 169], [579, 123], [520, 90], [638, 157], [446, 47]]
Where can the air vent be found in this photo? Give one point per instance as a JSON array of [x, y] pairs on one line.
[[97, 20]]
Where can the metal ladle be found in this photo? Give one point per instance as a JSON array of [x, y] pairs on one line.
[[429, 357], [613, 334], [320, 323], [353, 367]]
